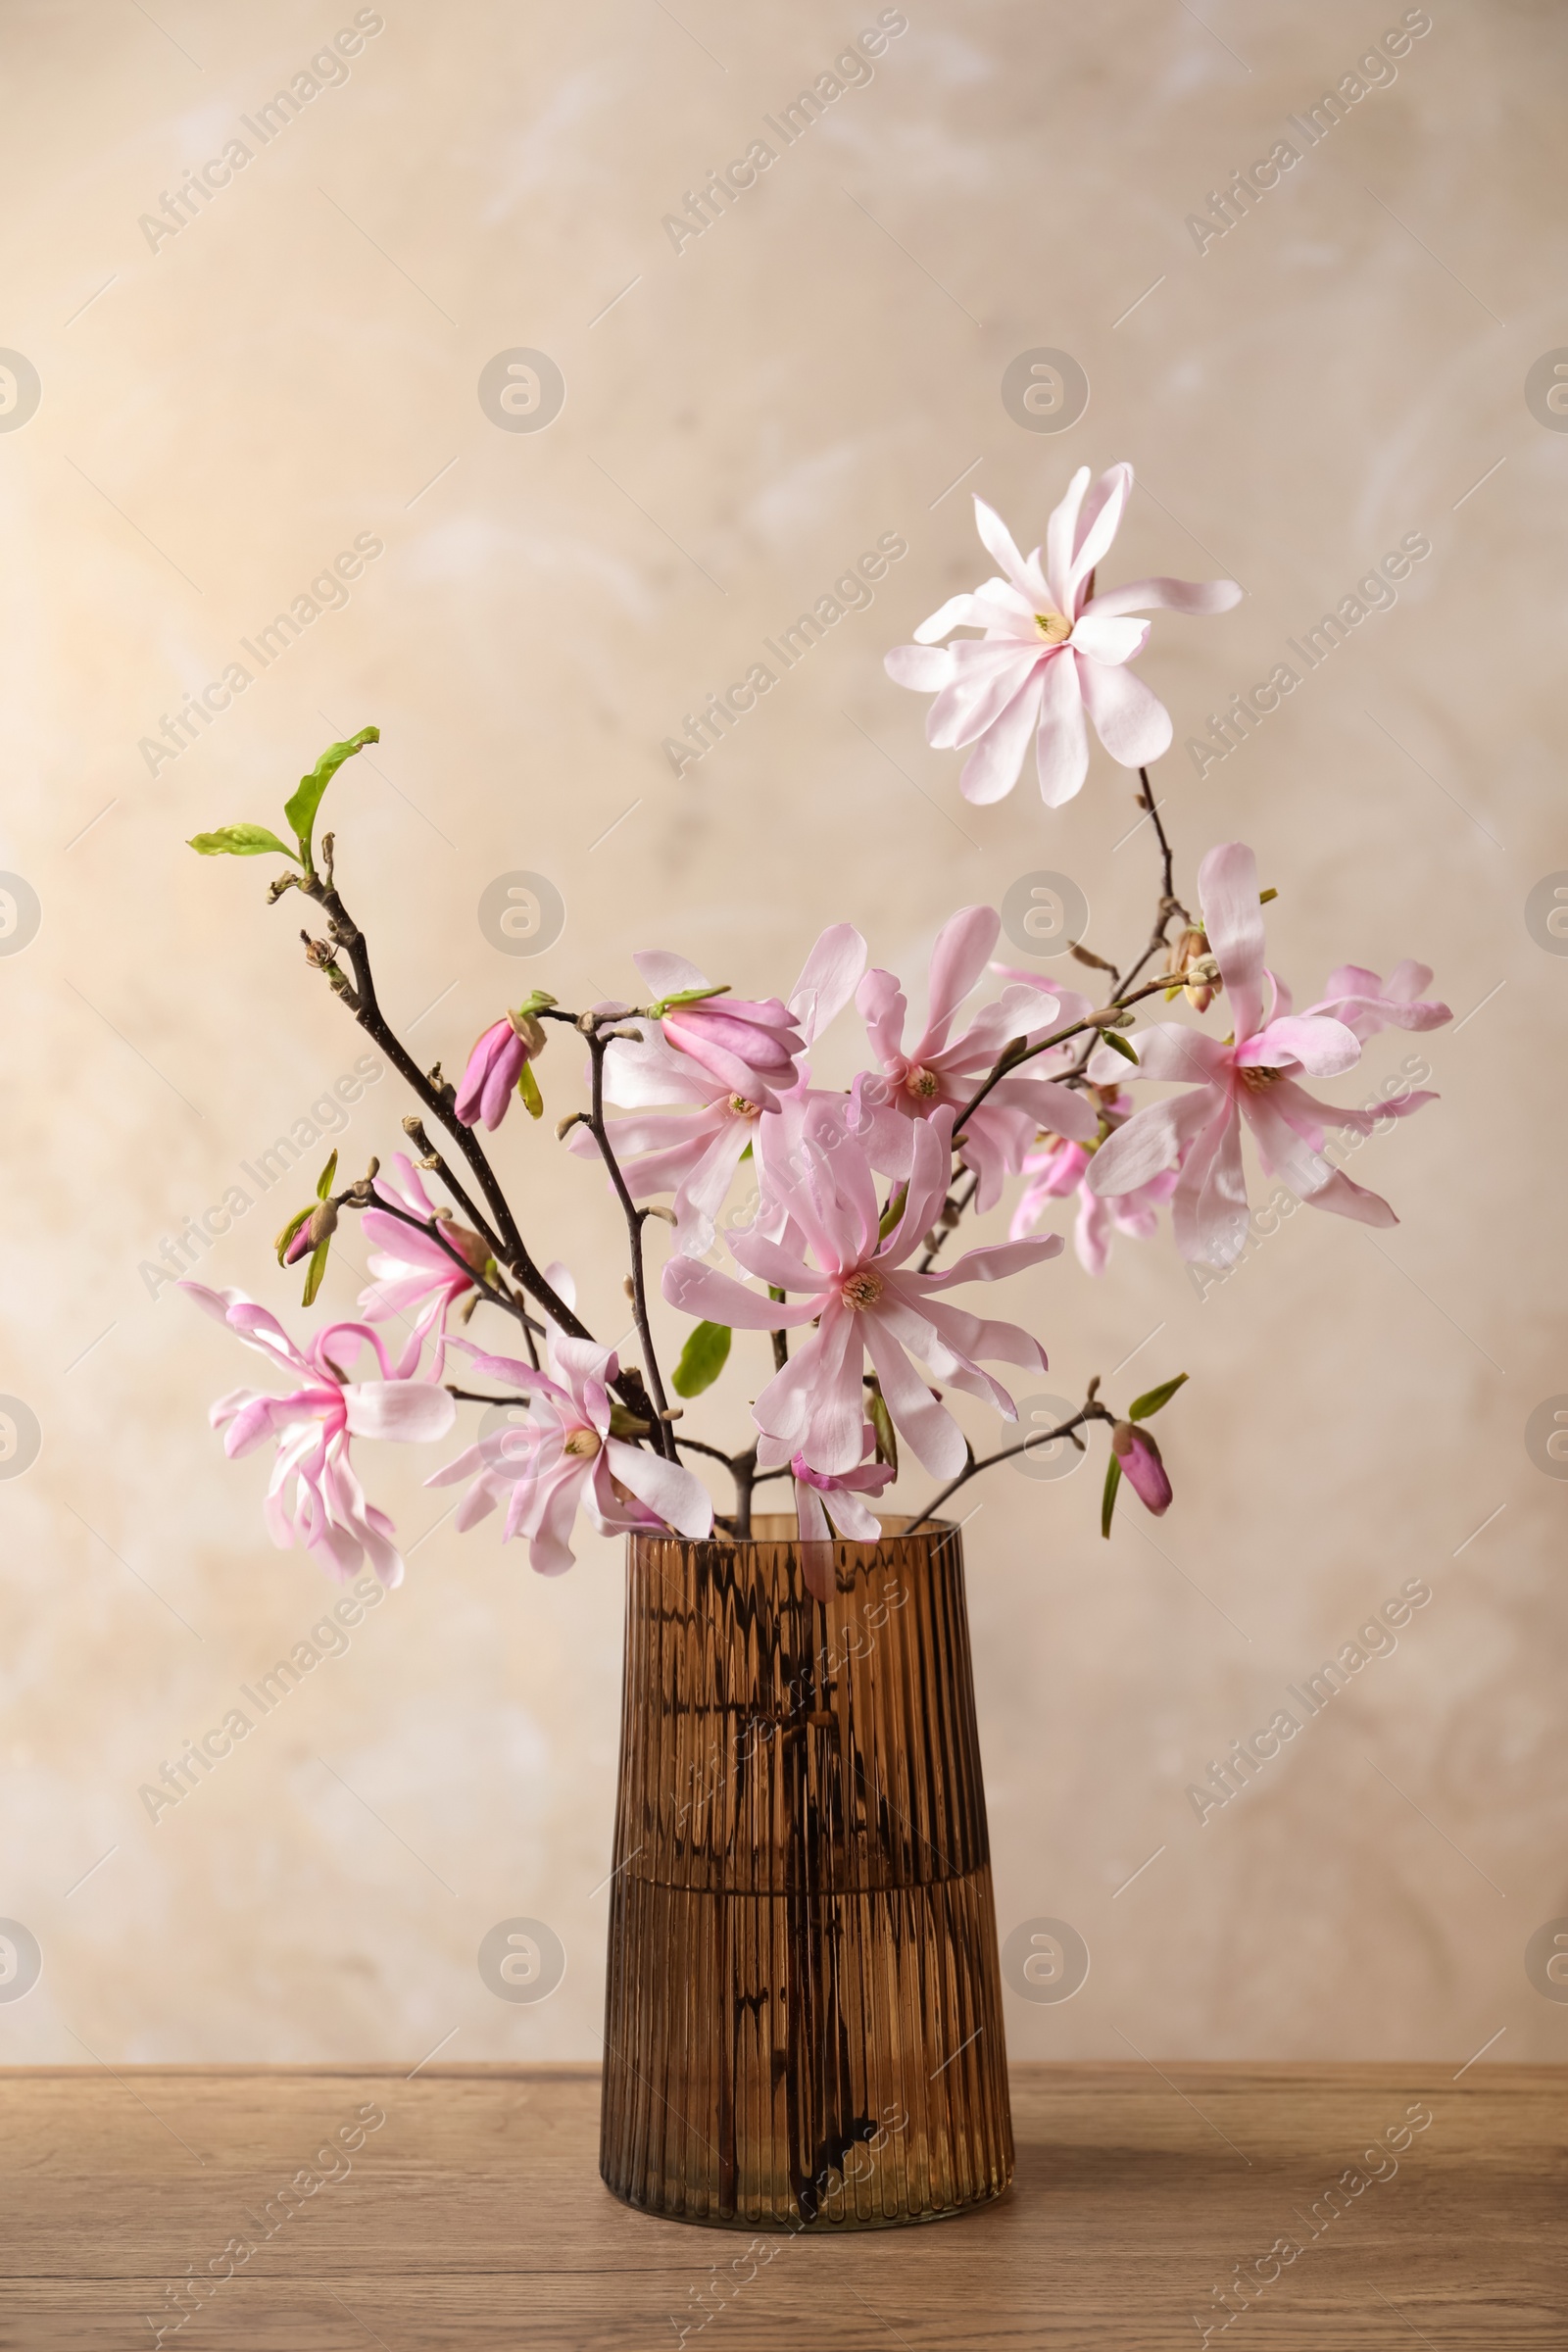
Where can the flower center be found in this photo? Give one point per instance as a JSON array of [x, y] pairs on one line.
[[861, 1290], [923, 1084], [739, 1108], [1259, 1078], [1054, 627], [583, 1443]]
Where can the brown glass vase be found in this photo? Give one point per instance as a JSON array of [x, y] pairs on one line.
[[803, 2023]]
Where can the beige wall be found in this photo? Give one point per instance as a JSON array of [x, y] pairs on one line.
[[291, 370]]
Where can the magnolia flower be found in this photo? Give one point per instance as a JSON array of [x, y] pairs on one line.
[[498, 1063], [940, 1070], [1051, 649], [313, 1424], [1056, 1171], [694, 1152], [864, 1298], [1252, 1077], [414, 1271], [564, 1458], [1363, 1002], [817, 1492], [748, 1047], [1140, 1466]]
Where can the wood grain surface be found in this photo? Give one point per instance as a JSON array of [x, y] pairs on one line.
[[473, 2216]]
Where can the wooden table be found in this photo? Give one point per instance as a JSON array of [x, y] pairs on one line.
[[472, 2215]]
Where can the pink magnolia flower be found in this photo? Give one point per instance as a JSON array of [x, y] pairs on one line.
[[1253, 1077], [866, 1299], [1056, 1171], [1363, 1002], [694, 1152], [747, 1046], [819, 1493], [563, 1459], [1051, 649], [313, 1424], [496, 1066], [940, 1070], [414, 1271], [1140, 1466]]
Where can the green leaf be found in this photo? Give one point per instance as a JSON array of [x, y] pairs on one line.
[[301, 809], [528, 1088], [239, 841], [1264, 895], [1107, 1501], [1118, 1044], [893, 1213], [324, 1182], [701, 1359], [315, 1269], [881, 1420], [1153, 1399], [686, 996]]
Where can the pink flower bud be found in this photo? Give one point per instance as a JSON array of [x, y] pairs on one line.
[[748, 1047], [318, 1227], [493, 1070], [1142, 1466]]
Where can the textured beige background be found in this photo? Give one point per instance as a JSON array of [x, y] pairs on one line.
[[293, 369]]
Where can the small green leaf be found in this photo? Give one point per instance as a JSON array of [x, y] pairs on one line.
[[316, 1271], [893, 1213], [1264, 895], [1118, 1044], [701, 1359], [528, 1088], [324, 1182], [301, 809], [686, 996], [1108, 1503], [1153, 1399], [289, 1230], [239, 841], [887, 1439]]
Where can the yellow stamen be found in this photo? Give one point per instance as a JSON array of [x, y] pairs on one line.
[[1054, 627], [583, 1443]]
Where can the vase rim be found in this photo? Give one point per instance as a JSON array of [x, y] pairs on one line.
[[785, 1529]]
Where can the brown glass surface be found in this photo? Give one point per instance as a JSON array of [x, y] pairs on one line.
[[804, 2013]]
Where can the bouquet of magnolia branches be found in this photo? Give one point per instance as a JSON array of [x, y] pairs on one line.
[[858, 1193]]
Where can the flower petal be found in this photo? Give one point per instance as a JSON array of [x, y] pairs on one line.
[[1227, 890], [1130, 719], [1166, 595], [1061, 747]]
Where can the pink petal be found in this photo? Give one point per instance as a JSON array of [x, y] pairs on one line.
[[681, 1501], [1208, 1208], [1323, 1048], [828, 979], [928, 1428], [998, 541], [1061, 747], [958, 961], [1098, 525], [1165, 594], [1131, 720], [668, 974], [1110, 642], [408, 1411], [710, 1296], [1227, 889], [993, 768], [1061, 532]]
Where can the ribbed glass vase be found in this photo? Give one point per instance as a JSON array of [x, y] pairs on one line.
[[804, 2014]]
